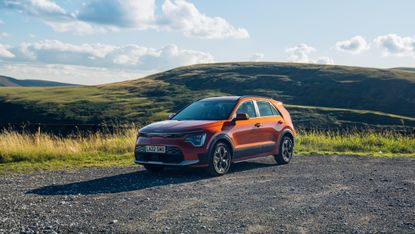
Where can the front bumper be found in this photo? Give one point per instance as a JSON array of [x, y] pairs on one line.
[[181, 154], [181, 164]]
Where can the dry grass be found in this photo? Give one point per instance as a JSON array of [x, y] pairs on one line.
[[39, 147], [28, 152], [43, 151]]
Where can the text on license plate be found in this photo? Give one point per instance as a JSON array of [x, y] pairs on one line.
[[156, 149]]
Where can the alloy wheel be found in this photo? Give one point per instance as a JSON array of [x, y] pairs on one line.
[[287, 149], [221, 159]]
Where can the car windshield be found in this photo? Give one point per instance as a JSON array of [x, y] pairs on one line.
[[206, 110]]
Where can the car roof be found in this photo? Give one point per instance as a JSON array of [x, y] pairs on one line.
[[234, 98], [230, 98]]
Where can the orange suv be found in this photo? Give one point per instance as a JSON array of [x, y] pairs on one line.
[[215, 132]]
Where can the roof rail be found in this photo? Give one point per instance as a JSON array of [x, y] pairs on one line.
[[254, 96]]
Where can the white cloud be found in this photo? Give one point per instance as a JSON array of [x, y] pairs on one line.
[[393, 44], [131, 56], [184, 16], [52, 15], [5, 52], [353, 45], [172, 56], [4, 34], [300, 53], [79, 27], [68, 73], [97, 16], [41, 8], [257, 57], [324, 60], [120, 13], [92, 63]]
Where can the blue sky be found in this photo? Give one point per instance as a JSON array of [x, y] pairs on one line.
[[102, 41]]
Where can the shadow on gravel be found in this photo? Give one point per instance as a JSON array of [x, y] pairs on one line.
[[137, 181]]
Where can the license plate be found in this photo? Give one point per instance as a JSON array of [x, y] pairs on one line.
[[155, 149]]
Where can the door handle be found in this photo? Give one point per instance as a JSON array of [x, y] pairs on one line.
[[258, 125], [280, 122]]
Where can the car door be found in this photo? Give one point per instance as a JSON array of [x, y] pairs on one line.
[[271, 125], [244, 132]]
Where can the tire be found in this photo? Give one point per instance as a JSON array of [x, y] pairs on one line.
[[286, 150], [153, 168], [220, 159]]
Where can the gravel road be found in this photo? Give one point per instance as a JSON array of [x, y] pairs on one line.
[[311, 194]]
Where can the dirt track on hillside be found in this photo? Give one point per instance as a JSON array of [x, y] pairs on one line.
[[311, 194]]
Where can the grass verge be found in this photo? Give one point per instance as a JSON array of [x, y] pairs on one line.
[[356, 143], [28, 152]]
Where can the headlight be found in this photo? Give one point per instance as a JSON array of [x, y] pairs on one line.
[[197, 140], [139, 134], [142, 134]]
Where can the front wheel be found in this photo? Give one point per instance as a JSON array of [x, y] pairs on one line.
[[219, 160], [153, 168], [285, 152]]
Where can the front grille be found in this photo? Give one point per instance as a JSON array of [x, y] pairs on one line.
[[169, 150], [173, 155]]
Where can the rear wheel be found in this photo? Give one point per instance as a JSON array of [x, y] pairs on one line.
[[219, 160], [285, 152], [153, 168]]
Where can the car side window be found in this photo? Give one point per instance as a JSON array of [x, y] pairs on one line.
[[274, 110], [247, 107], [265, 109]]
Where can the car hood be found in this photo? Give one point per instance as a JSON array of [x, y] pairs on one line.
[[179, 126]]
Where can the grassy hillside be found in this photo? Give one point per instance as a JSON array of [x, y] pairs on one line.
[[410, 69], [316, 95], [6, 81]]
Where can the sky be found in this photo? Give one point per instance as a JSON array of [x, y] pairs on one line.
[[103, 41]]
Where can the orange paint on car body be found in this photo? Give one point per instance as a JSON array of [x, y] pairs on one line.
[[242, 127]]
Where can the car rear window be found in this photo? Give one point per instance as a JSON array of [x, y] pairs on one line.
[[265, 109]]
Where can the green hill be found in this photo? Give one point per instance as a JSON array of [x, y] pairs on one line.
[[316, 95], [410, 69], [6, 81]]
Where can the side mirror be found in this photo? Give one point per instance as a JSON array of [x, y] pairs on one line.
[[171, 115], [241, 116]]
